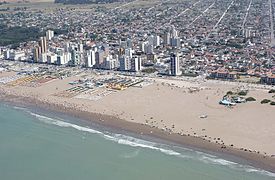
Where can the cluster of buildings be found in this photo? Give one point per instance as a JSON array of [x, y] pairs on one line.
[[55, 50], [220, 39]]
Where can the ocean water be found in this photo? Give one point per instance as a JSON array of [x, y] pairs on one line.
[[47, 147]]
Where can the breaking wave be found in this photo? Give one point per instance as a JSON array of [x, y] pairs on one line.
[[135, 142]]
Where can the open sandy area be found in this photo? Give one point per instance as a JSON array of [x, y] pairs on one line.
[[175, 106]]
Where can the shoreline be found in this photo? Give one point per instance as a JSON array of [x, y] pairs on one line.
[[144, 131]]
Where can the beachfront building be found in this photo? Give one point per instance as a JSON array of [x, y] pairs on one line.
[[43, 44], [110, 63], [36, 54], [43, 58], [223, 74], [174, 65], [268, 79], [99, 58], [124, 63], [136, 64], [129, 52], [51, 58], [90, 59], [17, 55], [75, 58]]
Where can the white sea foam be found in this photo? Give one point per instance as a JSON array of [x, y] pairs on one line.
[[135, 142], [259, 171], [20, 108], [49, 120], [131, 155], [215, 160]]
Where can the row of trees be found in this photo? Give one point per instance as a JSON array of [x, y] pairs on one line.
[[15, 35]]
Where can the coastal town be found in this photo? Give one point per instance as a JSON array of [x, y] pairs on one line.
[[227, 40], [194, 68]]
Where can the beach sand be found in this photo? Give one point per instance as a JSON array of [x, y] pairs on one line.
[[170, 110]]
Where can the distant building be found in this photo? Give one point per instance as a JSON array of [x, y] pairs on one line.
[[51, 58], [175, 42], [17, 55], [268, 79], [129, 43], [43, 44], [223, 74], [36, 54], [99, 59], [7, 54], [60, 60], [151, 58], [43, 58], [110, 63], [166, 39], [149, 49], [75, 58], [142, 46], [49, 35], [90, 59], [174, 64], [129, 52], [124, 63], [156, 41], [136, 64]]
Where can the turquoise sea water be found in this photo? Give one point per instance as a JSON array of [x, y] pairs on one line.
[[47, 147]]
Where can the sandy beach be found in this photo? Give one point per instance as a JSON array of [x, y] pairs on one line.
[[171, 110]]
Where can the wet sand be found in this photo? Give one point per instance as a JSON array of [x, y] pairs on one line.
[[170, 109], [143, 131]]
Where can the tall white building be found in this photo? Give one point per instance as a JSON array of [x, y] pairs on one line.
[[149, 49], [49, 35], [90, 59], [17, 55], [60, 60], [43, 58], [129, 43], [167, 37], [136, 64], [110, 63], [175, 42], [142, 46], [156, 41], [76, 60], [43, 44], [124, 63], [174, 32], [151, 40], [51, 58], [129, 52], [174, 64], [7, 54]]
